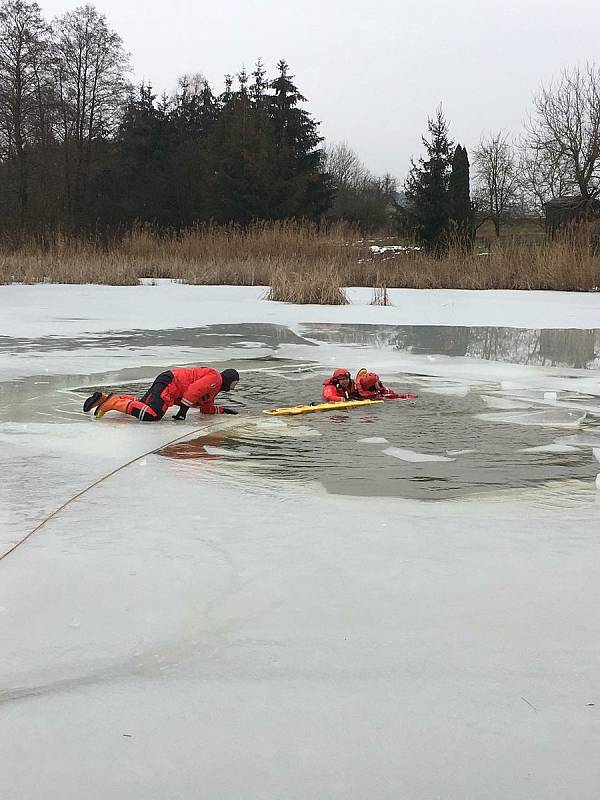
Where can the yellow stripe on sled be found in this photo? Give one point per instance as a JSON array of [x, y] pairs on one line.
[[279, 412]]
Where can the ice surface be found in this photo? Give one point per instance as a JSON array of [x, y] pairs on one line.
[[47, 310], [460, 452], [374, 440], [555, 447], [249, 626], [458, 390], [411, 455], [180, 631], [504, 402], [550, 419]]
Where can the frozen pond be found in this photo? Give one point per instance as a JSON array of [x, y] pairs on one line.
[[393, 602]]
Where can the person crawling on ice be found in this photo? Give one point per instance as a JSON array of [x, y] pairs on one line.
[[370, 387], [339, 387], [186, 387]]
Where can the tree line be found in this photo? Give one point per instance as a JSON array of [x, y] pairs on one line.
[[81, 148], [556, 155]]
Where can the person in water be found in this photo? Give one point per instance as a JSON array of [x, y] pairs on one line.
[[339, 387], [369, 386], [186, 387]]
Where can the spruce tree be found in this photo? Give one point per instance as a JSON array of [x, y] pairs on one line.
[[460, 209], [427, 188], [241, 151], [142, 142], [303, 189]]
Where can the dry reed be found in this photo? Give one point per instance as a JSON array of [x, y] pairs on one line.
[[301, 263], [319, 285]]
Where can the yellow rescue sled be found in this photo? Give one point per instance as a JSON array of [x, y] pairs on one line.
[[280, 412]]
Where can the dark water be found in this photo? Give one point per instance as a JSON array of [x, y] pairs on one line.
[[328, 447]]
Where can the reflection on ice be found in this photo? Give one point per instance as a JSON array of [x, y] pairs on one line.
[[579, 349]]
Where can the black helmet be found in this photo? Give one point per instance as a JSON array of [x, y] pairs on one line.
[[229, 376]]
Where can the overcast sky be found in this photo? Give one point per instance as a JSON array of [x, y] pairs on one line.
[[372, 71]]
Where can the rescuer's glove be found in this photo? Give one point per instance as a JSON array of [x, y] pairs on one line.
[[180, 415]]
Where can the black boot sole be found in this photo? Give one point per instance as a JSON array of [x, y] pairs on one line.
[[91, 401], [99, 406]]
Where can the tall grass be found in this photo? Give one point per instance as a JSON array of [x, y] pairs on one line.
[[319, 285], [301, 263]]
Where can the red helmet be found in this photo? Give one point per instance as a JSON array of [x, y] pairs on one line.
[[339, 374], [369, 381]]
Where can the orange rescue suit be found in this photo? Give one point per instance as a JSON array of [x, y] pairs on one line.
[[194, 386], [333, 393]]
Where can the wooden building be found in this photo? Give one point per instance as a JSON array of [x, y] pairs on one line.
[[567, 210]]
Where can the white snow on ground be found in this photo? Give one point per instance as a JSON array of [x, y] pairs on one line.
[[390, 248], [47, 310], [186, 632]]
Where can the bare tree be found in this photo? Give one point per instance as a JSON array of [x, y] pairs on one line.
[[361, 197], [23, 53], [342, 163], [544, 175], [91, 69], [191, 83], [563, 134], [497, 177]]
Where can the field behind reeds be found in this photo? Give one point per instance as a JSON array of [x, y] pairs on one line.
[[300, 263]]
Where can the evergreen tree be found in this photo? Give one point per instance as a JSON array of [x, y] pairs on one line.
[[304, 190], [460, 209], [142, 143], [259, 86], [240, 158], [187, 110], [192, 117], [263, 149], [427, 188]]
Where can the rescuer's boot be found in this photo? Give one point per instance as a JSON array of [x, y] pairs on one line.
[[114, 402], [94, 400]]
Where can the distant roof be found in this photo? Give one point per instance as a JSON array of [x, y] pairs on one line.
[[569, 201]]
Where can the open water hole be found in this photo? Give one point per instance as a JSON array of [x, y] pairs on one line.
[[448, 443]]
